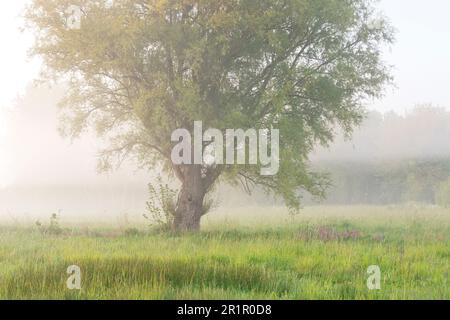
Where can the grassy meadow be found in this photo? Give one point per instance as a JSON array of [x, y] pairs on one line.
[[253, 253]]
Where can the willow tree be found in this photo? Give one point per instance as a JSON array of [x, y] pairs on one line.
[[139, 69]]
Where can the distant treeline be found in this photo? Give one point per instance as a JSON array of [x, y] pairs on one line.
[[391, 182], [390, 159], [422, 133]]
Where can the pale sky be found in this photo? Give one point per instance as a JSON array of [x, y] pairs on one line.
[[420, 55], [17, 70]]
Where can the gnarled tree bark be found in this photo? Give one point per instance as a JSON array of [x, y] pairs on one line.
[[189, 209]]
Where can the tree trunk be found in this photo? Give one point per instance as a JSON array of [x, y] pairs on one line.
[[189, 210]]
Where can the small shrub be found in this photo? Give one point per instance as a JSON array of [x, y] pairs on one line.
[[53, 228], [161, 205]]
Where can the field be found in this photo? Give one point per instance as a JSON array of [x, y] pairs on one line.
[[253, 253]]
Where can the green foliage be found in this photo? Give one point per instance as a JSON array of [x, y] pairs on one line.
[[138, 70], [161, 205], [385, 182], [53, 228], [443, 194]]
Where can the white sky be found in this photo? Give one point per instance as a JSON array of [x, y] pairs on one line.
[[420, 55], [17, 70]]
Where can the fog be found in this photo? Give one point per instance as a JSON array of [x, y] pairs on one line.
[[47, 173], [42, 173], [421, 133]]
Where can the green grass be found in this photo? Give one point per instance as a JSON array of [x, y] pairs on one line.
[[264, 254]]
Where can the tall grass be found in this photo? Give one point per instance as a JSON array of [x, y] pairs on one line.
[[322, 254]]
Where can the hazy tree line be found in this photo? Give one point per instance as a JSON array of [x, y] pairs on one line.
[[382, 183], [391, 159]]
